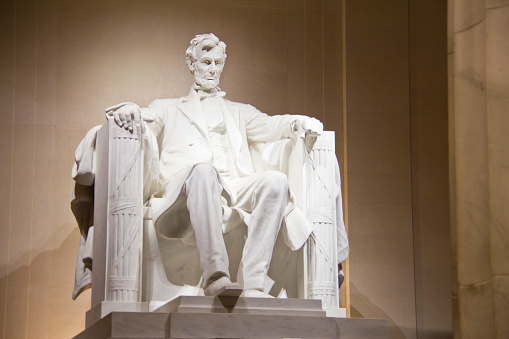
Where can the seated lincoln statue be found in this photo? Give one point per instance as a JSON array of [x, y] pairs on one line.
[[203, 176]]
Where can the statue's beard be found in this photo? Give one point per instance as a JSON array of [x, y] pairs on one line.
[[207, 85]]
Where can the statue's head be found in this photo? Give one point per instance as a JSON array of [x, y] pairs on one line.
[[205, 58]]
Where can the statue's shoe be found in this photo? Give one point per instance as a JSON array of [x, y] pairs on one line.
[[223, 287], [255, 294]]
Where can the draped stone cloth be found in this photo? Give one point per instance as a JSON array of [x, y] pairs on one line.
[[178, 139]]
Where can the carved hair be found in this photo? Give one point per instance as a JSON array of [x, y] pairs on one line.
[[207, 41]]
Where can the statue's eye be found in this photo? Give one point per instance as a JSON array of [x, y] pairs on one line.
[[206, 62]]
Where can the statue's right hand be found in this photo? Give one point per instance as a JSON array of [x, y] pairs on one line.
[[126, 115]]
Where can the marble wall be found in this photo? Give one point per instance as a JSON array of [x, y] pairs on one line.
[[63, 62], [479, 103], [397, 165]]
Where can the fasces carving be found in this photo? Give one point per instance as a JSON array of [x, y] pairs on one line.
[[124, 248], [213, 174]]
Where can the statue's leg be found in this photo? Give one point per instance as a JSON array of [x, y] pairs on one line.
[[265, 197], [203, 191]]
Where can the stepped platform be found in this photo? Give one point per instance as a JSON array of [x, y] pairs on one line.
[[214, 317]]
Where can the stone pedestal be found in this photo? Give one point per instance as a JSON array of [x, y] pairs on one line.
[[213, 317]]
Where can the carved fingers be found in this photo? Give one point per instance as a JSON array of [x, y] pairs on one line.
[[309, 125], [126, 115]]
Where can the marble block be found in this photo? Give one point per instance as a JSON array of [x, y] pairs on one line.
[[218, 317], [255, 306], [127, 325]]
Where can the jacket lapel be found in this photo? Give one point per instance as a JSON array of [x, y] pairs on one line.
[[190, 106]]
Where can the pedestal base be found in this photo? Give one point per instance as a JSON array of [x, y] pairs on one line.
[[204, 317], [101, 310]]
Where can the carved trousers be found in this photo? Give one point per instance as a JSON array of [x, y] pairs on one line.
[[263, 196]]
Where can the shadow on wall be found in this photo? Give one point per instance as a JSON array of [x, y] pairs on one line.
[[373, 311], [395, 331], [51, 311]]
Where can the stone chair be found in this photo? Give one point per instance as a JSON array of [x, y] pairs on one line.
[[131, 264]]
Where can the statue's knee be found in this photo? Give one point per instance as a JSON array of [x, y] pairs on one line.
[[203, 175], [276, 182], [204, 169]]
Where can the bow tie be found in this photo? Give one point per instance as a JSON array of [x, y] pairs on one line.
[[216, 94]]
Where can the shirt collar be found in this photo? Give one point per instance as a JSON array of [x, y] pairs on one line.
[[215, 93]]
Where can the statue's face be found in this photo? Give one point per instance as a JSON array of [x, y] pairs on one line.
[[208, 67]]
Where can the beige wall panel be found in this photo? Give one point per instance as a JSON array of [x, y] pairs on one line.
[[44, 121], [387, 75], [394, 217], [430, 187], [38, 313], [66, 317], [429, 153], [315, 6], [382, 147], [429, 102], [22, 174], [386, 188], [385, 282], [433, 220], [379, 164], [369, 99], [435, 250], [3, 300], [386, 13], [314, 52], [296, 59], [5, 194], [333, 74], [275, 4], [16, 316], [21, 211], [396, 309], [6, 144], [383, 249], [438, 324], [333, 6]]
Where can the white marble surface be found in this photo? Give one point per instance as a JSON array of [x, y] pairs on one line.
[[119, 325], [260, 306], [187, 130]]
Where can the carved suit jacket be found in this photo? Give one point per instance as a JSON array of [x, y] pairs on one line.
[[179, 132]]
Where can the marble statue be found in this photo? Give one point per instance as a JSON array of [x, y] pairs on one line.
[[207, 166]]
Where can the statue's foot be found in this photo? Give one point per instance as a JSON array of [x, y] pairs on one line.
[[255, 294], [223, 287]]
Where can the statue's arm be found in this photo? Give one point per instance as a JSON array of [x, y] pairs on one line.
[[262, 127]]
